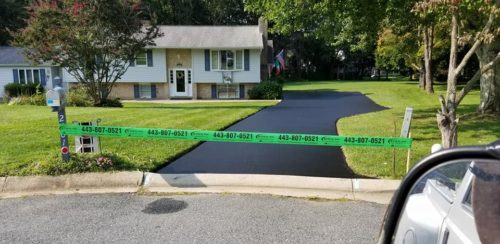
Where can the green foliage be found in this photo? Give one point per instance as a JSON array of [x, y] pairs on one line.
[[35, 99], [266, 90], [16, 89], [114, 102], [389, 53], [85, 37], [353, 23], [195, 12], [12, 14], [77, 96]]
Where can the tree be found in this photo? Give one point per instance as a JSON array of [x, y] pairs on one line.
[[490, 79], [94, 40], [348, 25], [416, 19], [12, 14], [427, 20], [229, 12], [393, 51], [447, 118], [196, 12], [179, 12]]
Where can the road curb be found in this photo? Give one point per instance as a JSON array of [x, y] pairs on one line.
[[373, 190], [15, 186]]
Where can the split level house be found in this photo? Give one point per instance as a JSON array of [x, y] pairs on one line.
[[187, 62]]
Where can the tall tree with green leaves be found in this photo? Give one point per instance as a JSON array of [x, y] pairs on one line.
[[394, 51], [477, 37], [196, 12], [94, 40], [417, 19], [351, 24], [12, 15]]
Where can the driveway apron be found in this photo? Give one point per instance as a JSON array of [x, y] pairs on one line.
[[299, 112]]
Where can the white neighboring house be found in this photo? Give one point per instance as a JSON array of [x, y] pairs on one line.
[[190, 62], [15, 68]]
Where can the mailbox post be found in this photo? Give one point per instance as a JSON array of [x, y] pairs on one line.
[[55, 99]]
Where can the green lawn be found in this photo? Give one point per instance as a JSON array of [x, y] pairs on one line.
[[396, 95], [29, 142]]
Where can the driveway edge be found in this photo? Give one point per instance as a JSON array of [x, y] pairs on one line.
[[17, 186], [372, 190]]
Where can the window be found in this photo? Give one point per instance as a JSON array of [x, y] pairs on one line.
[[228, 91], [141, 59], [145, 90], [22, 76], [227, 59], [28, 76], [36, 76]]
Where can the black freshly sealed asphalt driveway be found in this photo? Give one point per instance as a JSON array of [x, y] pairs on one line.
[[299, 112]]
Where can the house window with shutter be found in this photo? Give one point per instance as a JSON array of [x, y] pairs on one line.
[[227, 60], [228, 91], [28, 76], [145, 91], [141, 59]]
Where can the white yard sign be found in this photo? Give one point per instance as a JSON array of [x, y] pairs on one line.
[[405, 129]]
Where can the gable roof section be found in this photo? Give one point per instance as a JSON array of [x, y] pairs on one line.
[[12, 56], [206, 37]]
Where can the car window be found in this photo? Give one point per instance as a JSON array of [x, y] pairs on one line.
[[446, 179]]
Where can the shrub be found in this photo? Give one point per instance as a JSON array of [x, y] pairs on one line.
[[36, 99], [115, 102], [266, 90], [77, 96], [15, 89]]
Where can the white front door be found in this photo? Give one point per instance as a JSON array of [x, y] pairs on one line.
[[181, 83]]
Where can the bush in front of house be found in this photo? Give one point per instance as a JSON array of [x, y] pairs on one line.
[[15, 89], [77, 97], [266, 90], [35, 99], [114, 102]]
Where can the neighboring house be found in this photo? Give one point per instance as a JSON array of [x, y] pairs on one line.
[[190, 62], [15, 68]]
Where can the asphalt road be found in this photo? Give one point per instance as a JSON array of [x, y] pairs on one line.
[[299, 112], [128, 218]]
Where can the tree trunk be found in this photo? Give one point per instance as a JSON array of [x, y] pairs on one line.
[[490, 80], [421, 71], [446, 117], [448, 125], [428, 39]]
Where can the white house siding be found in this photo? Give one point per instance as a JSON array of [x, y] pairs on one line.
[[6, 76], [155, 74], [202, 76]]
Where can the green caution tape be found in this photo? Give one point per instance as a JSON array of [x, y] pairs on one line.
[[234, 136]]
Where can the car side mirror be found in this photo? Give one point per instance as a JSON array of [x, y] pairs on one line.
[[452, 196]]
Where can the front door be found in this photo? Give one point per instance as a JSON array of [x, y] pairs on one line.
[[181, 85]]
